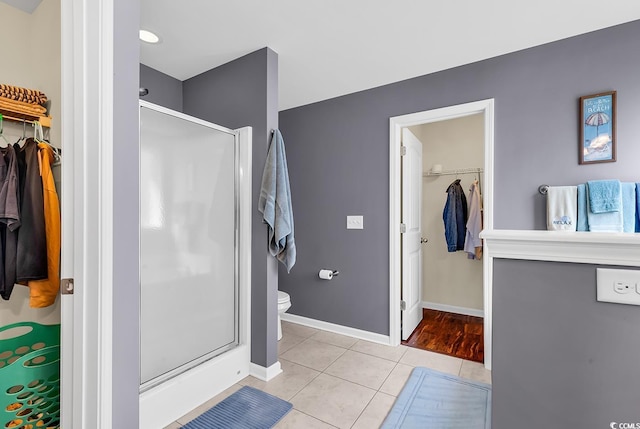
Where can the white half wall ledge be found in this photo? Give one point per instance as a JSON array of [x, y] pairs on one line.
[[560, 246]]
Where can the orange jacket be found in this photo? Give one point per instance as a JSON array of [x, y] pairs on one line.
[[43, 293]]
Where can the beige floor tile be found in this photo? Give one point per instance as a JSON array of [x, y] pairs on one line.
[[333, 400], [297, 420], [210, 403], [397, 379], [475, 371], [288, 341], [437, 361], [299, 330], [376, 412], [292, 379], [334, 339], [174, 425], [366, 370], [379, 350], [313, 354]]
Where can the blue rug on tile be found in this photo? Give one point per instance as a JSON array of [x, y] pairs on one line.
[[248, 408], [433, 400]]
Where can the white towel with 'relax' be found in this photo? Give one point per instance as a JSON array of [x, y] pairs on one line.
[[562, 208]]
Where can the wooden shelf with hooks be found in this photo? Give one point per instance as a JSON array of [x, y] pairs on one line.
[[12, 115]]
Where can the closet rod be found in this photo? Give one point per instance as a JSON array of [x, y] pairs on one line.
[[452, 172], [45, 121]]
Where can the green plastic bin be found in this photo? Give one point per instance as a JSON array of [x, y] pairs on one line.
[[30, 377]]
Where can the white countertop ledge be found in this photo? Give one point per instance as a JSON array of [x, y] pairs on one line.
[[563, 246]]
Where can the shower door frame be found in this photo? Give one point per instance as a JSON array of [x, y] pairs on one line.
[[185, 390], [149, 384]]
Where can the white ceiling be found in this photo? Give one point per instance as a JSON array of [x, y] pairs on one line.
[[329, 48]]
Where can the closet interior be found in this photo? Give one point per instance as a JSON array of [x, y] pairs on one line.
[[452, 272], [30, 221]]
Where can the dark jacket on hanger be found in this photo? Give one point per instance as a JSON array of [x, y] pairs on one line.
[[455, 217], [9, 220], [31, 260]]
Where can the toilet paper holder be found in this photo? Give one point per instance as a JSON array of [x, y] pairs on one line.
[[327, 274]]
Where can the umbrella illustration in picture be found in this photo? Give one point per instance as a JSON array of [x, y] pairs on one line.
[[597, 119]]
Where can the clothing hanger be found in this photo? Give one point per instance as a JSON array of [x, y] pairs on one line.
[[2, 129], [38, 136], [24, 132]]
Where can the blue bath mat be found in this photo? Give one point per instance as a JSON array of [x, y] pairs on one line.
[[248, 408], [434, 400]]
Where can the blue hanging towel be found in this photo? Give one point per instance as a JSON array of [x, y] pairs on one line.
[[275, 203], [611, 221], [583, 222], [605, 196], [637, 207], [628, 207]]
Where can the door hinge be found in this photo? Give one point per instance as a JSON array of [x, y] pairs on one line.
[[403, 228], [403, 150], [403, 305], [66, 286]]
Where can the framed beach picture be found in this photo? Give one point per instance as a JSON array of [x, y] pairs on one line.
[[597, 128]]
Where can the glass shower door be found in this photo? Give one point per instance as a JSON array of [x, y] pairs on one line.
[[188, 243]]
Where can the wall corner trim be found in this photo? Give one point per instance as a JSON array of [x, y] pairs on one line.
[[263, 373], [560, 246]]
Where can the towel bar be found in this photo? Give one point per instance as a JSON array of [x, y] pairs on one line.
[[543, 189]]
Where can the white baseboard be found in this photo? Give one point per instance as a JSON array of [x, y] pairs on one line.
[[264, 374], [452, 309], [338, 329]]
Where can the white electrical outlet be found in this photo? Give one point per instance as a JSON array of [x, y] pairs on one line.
[[355, 222], [619, 286]]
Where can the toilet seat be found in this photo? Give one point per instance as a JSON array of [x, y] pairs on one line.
[[283, 297], [284, 303]]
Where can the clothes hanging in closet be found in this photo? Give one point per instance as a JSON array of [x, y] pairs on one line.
[[31, 260], [9, 219], [43, 293], [455, 217], [29, 222], [473, 242]]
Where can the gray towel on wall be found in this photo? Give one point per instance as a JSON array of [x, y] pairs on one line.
[[275, 203]]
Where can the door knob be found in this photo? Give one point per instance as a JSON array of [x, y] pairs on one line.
[[423, 240]]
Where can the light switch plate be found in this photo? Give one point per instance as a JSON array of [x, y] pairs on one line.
[[619, 286], [355, 222]]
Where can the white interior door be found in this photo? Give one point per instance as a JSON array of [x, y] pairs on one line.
[[411, 219]]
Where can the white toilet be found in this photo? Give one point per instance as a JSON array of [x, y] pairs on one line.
[[284, 303]]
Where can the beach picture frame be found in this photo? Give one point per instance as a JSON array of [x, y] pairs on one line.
[[597, 128]]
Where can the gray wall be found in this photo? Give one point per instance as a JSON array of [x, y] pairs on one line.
[[126, 273], [164, 90], [560, 358], [338, 152], [238, 94]]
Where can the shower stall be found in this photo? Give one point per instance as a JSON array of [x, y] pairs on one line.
[[195, 189]]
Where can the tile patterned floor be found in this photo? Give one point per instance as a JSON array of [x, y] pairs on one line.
[[334, 381]]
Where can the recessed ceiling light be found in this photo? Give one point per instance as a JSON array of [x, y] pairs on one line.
[[148, 36]]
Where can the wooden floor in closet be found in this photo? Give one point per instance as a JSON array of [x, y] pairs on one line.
[[449, 333]]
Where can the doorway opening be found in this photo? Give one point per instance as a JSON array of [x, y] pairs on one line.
[[457, 285]]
